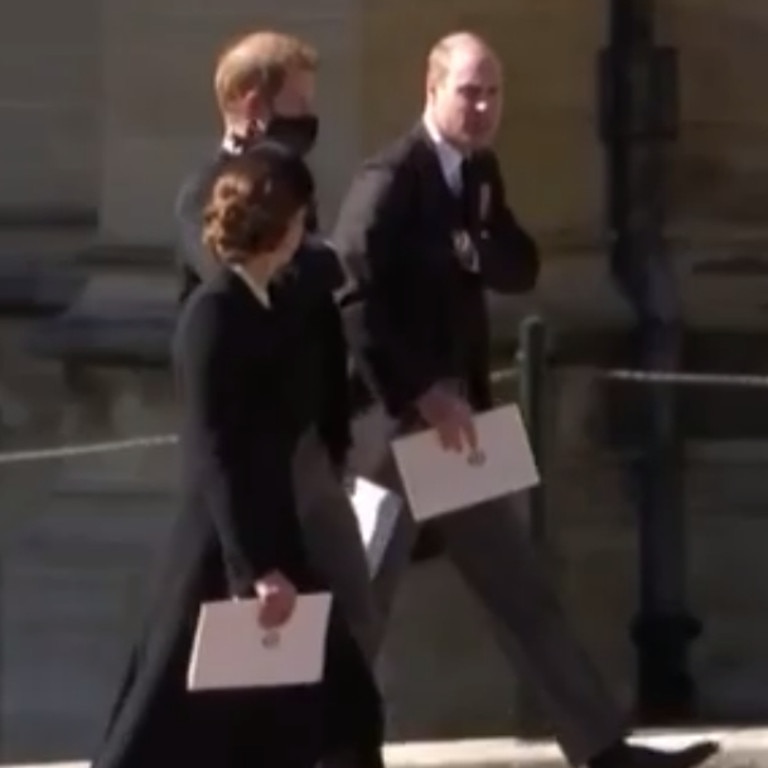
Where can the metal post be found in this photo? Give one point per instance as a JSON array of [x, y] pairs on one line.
[[532, 396], [663, 629], [639, 118]]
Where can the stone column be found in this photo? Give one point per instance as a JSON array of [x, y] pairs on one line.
[[159, 116]]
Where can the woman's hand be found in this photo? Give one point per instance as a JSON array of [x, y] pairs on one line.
[[277, 599]]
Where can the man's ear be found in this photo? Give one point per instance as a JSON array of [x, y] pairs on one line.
[[429, 87]]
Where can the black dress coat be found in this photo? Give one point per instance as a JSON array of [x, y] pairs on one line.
[[307, 283], [248, 378]]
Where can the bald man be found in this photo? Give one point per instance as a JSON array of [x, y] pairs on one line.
[[425, 229]]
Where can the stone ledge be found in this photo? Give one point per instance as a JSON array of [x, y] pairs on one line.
[[30, 290], [136, 336], [48, 216], [155, 257], [123, 317], [738, 265]]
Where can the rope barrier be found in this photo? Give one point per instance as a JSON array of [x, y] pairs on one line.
[[661, 377], [685, 379], [504, 374], [72, 451]]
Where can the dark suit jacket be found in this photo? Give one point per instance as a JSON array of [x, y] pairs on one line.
[[420, 317], [245, 375], [306, 286]]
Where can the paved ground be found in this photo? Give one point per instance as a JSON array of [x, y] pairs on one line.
[[741, 748]]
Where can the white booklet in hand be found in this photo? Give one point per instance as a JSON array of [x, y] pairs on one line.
[[376, 510], [438, 481], [232, 650]]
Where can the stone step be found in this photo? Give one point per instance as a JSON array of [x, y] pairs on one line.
[[44, 244], [747, 746]]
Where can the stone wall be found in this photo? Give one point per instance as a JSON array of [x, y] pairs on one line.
[[49, 107], [108, 104], [720, 165]]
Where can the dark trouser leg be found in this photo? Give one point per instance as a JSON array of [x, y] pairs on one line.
[[491, 547]]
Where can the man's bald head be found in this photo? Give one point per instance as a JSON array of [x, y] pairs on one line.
[[464, 90], [456, 44]]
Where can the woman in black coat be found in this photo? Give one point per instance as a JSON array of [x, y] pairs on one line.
[[253, 382]]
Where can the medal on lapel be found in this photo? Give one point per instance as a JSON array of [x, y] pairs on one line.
[[465, 251]]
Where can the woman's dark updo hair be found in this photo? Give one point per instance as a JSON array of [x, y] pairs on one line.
[[253, 200]]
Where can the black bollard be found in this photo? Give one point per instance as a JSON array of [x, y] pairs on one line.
[[663, 629], [638, 106]]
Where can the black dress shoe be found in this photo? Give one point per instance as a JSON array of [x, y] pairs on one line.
[[645, 757]]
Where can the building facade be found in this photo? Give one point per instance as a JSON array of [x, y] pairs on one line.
[[105, 103], [109, 102]]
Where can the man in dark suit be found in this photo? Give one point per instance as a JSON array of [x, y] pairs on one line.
[[425, 229], [265, 90], [265, 86]]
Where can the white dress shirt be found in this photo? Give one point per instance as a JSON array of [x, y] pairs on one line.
[[450, 158]]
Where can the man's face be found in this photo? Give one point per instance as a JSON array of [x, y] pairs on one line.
[[466, 103]]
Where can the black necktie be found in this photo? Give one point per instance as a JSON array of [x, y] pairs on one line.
[[467, 193]]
